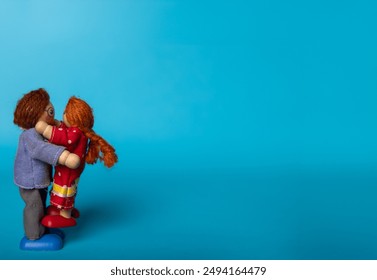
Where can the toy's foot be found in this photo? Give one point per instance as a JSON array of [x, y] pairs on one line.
[[56, 231], [53, 210], [48, 242], [57, 221]]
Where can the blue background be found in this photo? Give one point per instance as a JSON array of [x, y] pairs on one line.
[[244, 129]]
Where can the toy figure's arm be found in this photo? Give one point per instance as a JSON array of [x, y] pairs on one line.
[[50, 153], [62, 135], [68, 159], [44, 129]]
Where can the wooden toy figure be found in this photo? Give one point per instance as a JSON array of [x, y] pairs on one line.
[[32, 168], [74, 133]]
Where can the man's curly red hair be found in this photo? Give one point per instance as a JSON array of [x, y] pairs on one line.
[[30, 108]]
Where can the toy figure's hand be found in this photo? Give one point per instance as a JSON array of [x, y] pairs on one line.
[[41, 126], [73, 161], [44, 128], [70, 160]]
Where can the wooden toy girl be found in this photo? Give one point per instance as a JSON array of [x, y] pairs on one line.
[[74, 133]]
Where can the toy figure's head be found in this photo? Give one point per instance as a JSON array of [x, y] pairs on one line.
[[78, 114], [33, 107]]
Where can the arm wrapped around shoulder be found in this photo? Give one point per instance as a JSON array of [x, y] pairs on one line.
[[44, 129]]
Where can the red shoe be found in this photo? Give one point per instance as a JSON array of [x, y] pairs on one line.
[[53, 210], [57, 221]]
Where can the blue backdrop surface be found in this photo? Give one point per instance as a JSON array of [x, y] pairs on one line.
[[244, 129]]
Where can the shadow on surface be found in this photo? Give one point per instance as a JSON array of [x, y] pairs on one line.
[[102, 216]]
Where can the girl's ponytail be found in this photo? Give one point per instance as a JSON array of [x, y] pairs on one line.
[[100, 149]]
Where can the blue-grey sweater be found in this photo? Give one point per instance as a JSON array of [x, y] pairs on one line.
[[32, 167]]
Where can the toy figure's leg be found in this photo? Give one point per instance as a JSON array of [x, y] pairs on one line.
[[33, 213], [64, 211], [43, 194], [48, 242], [53, 210], [57, 221]]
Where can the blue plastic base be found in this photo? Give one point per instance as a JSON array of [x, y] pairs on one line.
[[48, 242]]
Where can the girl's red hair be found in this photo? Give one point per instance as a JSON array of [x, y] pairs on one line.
[[80, 114]]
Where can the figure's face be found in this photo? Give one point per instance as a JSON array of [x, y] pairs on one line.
[[66, 121], [48, 115]]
